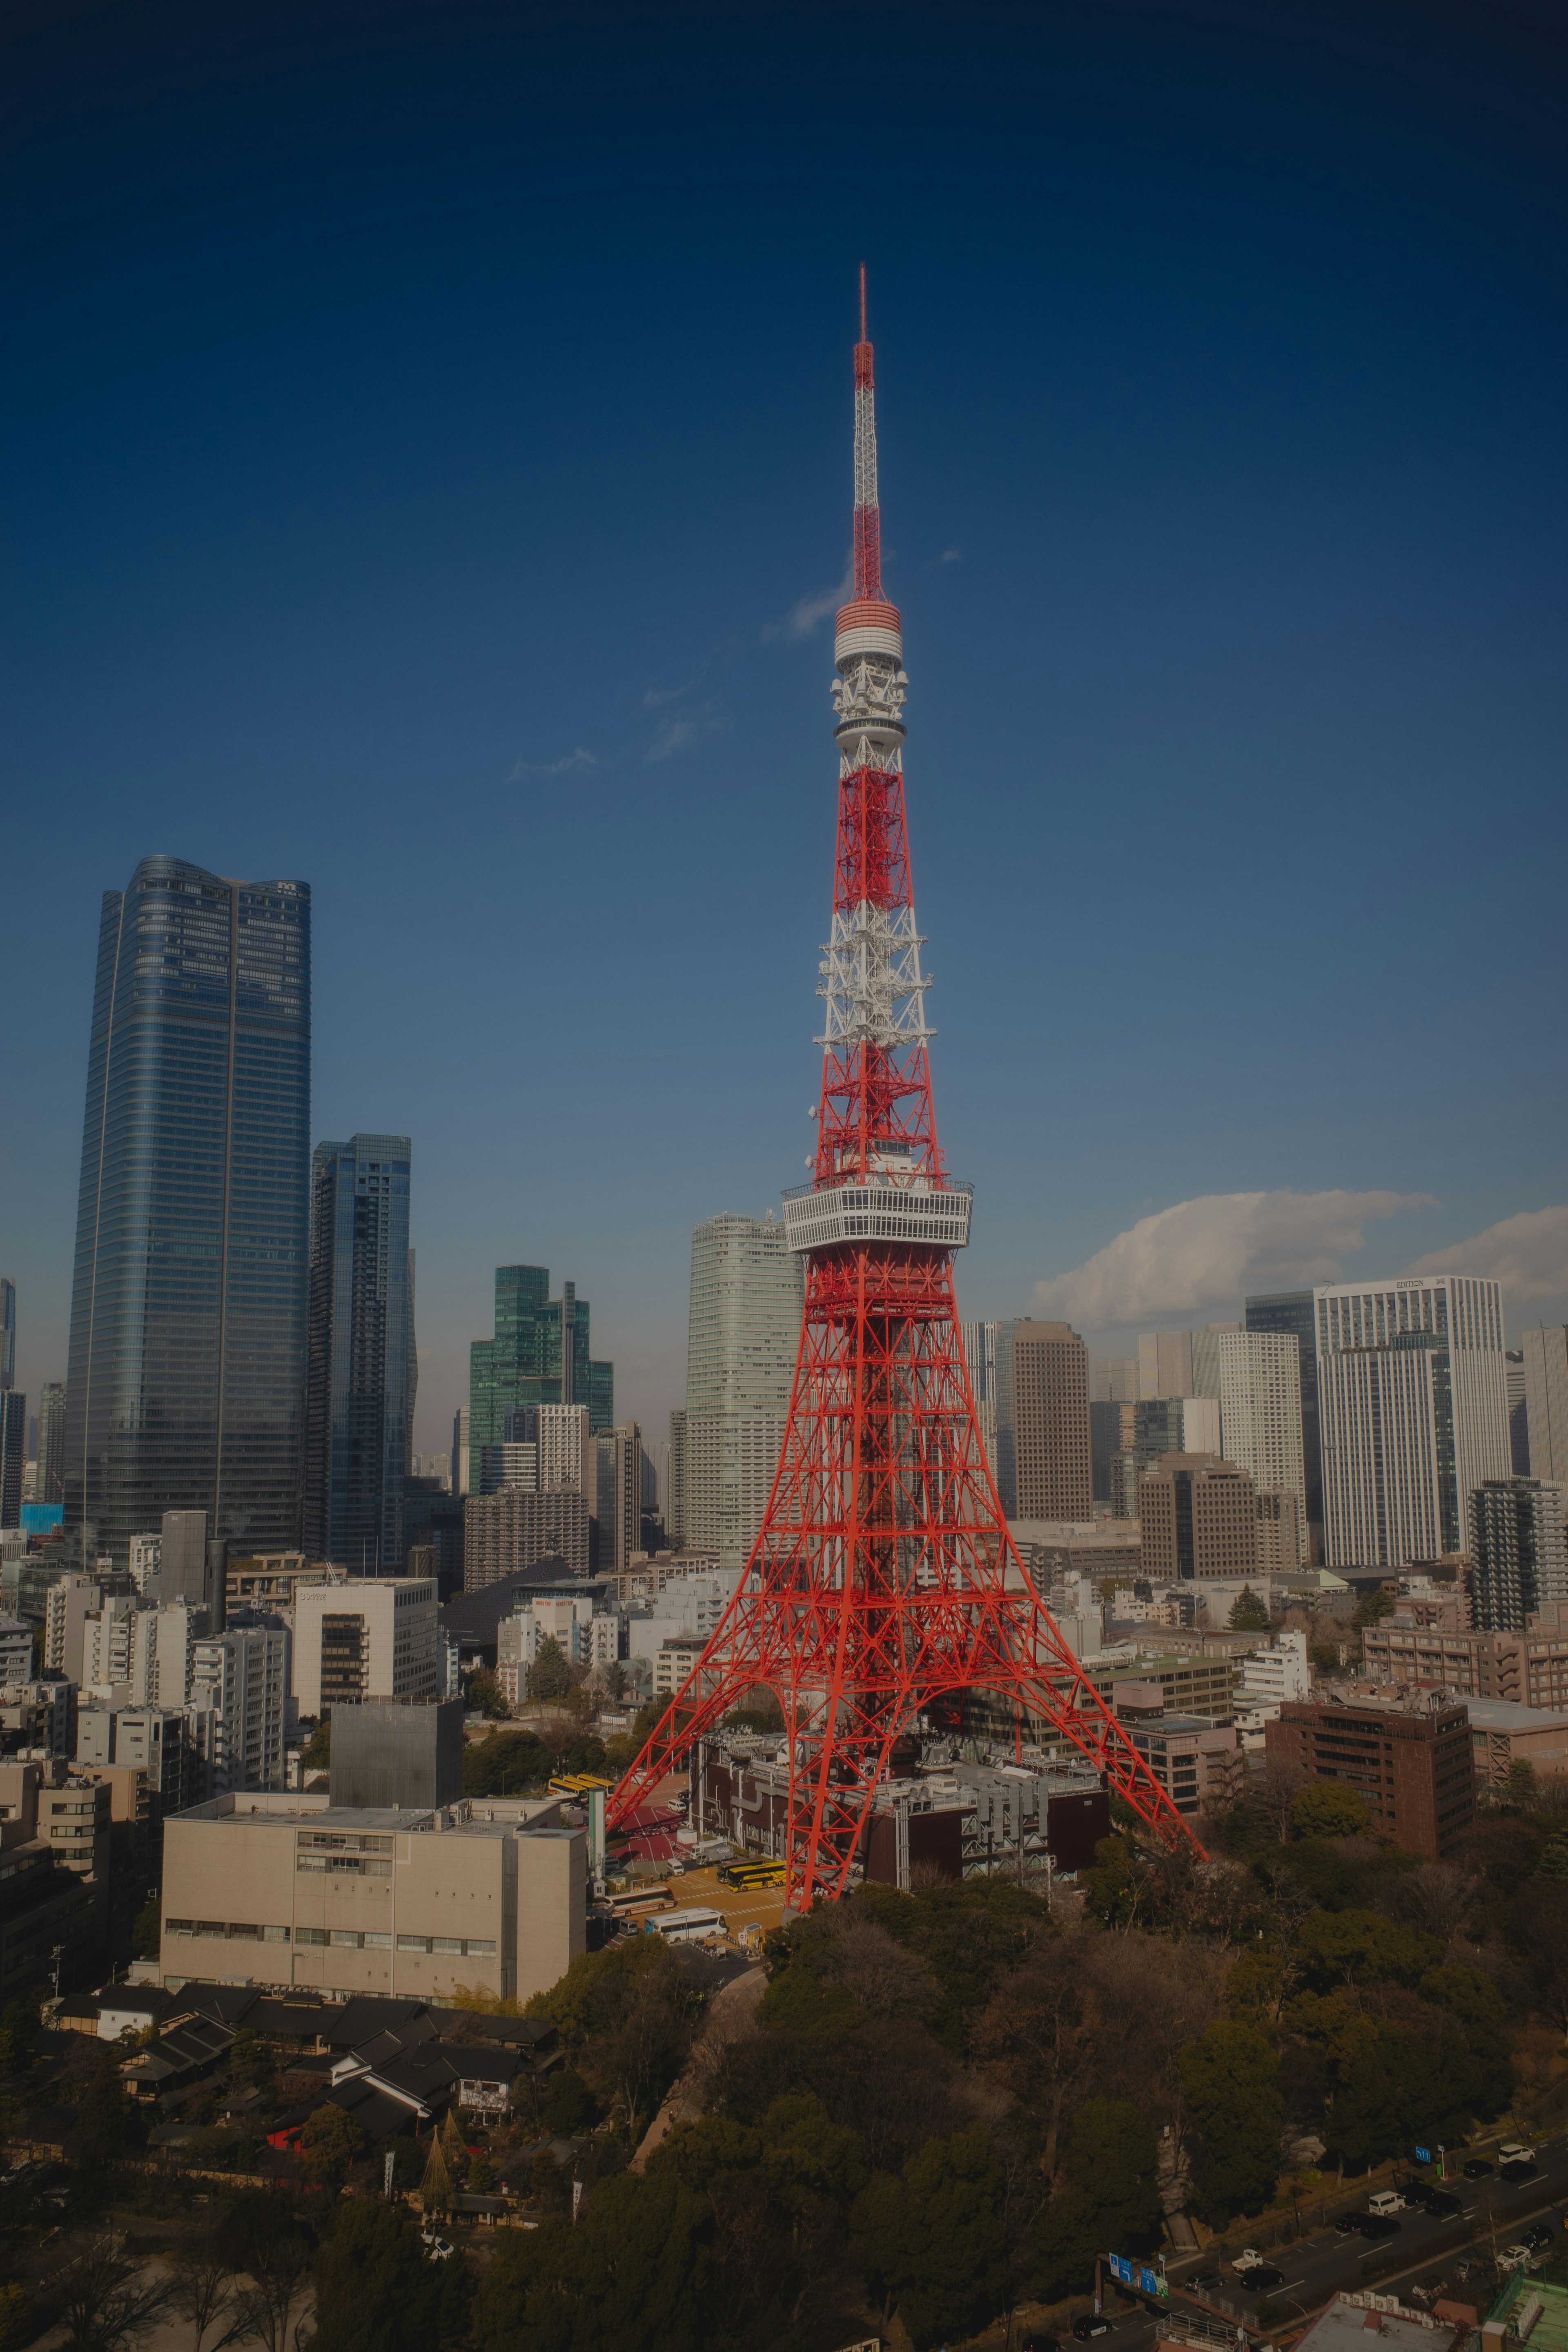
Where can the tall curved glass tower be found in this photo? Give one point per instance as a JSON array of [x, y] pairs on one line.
[[186, 1379]]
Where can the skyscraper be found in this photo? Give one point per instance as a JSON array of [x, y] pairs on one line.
[[1518, 1413], [1519, 1550], [13, 1455], [358, 1419], [186, 1377], [1413, 1393], [675, 1498], [7, 1331], [1294, 1310], [1050, 1422], [48, 1487], [1260, 1411], [539, 1356], [617, 1502], [743, 1335], [1545, 1352]]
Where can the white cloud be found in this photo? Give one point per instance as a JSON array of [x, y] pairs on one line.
[[1527, 1255], [683, 728], [574, 761], [807, 612], [952, 555], [656, 696], [1209, 1251]]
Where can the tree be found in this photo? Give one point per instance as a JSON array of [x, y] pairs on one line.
[[107, 2122], [1112, 2203], [329, 2143], [641, 2246], [551, 1675], [316, 1753], [146, 1929], [1373, 1607], [934, 2242], [17, 2323], [1330, 1808], [1036, 2037], [1249, 1613], [1518, 1782], [204, 2286], [1234, 2113], [107, 2300], [18, 2037], [1553, 1861], [436, 2192], [486, 1697], [270, 2248], [1362, 1947], [375, 2289]]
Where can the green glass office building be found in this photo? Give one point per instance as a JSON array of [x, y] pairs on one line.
[[526, 1363]]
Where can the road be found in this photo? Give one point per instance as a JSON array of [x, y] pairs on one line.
[[1324, 2264]]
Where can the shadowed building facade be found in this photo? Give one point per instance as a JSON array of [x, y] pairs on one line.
[[360, 1410], [186, 1375]]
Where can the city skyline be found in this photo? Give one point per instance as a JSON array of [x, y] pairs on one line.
[[1215, 567]]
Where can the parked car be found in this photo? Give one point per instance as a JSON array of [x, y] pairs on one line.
[[1377, 2225], [1515, 2258], [1258, 2277], [1040, 2344], [437, 2248], [1438, 2201], [1538, 2234], [1385, 2200], [1521, 2168], [1514, 2151], [1093, 2323], [1347, 2224], [1200, 2281], [1476, 2167]]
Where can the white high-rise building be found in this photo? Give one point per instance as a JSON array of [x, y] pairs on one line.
[[1412, 1387], [239, 1680], [747, 1292], [1545, 1353], [1260, 1411], [145, 1554], [979, 1345], [374, 1637]]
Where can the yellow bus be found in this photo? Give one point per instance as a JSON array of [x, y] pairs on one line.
[[577, 1784], [743, 1875]]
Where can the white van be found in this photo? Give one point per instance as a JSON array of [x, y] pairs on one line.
[[1386, 2200], [1514, 2151]]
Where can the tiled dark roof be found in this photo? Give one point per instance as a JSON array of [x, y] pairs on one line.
[[345, 2027], [225, 2004], [517, 2033], [290, 2017]]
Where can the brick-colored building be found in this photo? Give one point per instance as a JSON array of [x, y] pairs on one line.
[[1409, 1758], [1531, 1668], [1200, 1519]]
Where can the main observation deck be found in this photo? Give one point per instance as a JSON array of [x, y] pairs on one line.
[[878, 1209]]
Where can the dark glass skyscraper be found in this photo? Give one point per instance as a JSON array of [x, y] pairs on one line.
[[187, 1381], [358, 1415]]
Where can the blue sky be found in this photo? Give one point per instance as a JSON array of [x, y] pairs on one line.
[[428, 437]]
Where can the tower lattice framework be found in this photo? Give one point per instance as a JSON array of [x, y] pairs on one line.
[[883, 1585]]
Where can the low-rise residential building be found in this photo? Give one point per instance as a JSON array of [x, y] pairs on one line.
[[488, 1895], [1194, 1761], [1409, 1758], [239, 1697], [1504, 1733], [1530, 1669]]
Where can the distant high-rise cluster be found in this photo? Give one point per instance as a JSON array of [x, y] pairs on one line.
[[743, 1334]]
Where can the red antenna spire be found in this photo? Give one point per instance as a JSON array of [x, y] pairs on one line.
[[868, 519]]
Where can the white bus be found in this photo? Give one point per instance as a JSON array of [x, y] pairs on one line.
[[687, 1927]]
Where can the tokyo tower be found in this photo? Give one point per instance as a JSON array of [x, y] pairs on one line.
[[883, 1584]]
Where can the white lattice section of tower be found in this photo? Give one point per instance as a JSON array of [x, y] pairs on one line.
[[871, 979]]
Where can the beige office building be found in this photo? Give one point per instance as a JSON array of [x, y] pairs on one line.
[[372, 1637], [488, 1895], [1545, 1352], [1199, 1516], [1260, 1415], [1281, 1532], [1050, 1423]]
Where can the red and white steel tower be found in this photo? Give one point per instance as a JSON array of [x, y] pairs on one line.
[[884, 1584]]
